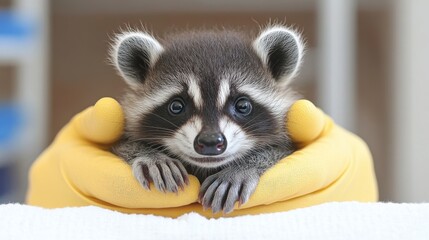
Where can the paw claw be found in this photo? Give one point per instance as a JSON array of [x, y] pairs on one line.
[[146, 185], [176, 174], [222, 190], [182, 171], [165, 173]]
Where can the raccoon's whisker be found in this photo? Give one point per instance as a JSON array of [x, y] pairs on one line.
[[255, 132], [164, 119], [226, 124], [157, 148], [247, 125], [153, 138], [182, 133], [238, 159], [266, 139], [155, 127], [145, 139], [235, 133], [155, 133], [158, 134], [254, 124], [251, 120]]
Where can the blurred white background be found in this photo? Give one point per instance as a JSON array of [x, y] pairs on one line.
[[365, 66]]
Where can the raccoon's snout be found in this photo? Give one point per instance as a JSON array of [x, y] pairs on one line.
[[210, 143]]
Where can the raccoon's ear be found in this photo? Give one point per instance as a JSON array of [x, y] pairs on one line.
[[133, 54], [281, 50]]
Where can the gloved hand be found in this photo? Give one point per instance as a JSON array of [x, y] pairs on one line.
[[78, 169]]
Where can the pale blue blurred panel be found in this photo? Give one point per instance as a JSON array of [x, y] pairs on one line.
[[16, 32], [10, 124], [17, 44]]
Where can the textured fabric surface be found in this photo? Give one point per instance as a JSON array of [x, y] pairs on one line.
[[348, 220], [77, 169]]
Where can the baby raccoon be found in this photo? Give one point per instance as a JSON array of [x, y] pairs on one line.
[[211, 104]]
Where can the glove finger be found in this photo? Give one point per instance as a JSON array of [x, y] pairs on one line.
[[305, 122], [102, 177], [103, 123]]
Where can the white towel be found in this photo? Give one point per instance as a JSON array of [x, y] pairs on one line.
[[328, 221]]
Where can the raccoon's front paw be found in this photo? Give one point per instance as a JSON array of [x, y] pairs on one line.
[[166, 173], [220, 191]]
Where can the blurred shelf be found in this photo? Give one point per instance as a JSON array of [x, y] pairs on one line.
[[24, 45], [16, 37], [148, 6]]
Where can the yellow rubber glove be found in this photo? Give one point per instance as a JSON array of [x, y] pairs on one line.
[[79, 170]]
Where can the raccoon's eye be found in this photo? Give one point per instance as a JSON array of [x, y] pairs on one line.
[[176, 106], [243, 106]]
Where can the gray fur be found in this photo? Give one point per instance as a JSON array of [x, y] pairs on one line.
[[156, 144]]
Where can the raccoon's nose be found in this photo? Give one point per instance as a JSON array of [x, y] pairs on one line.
[[210, 143]]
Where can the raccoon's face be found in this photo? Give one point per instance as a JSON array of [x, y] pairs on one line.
[[208, 97]]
